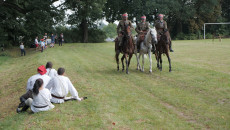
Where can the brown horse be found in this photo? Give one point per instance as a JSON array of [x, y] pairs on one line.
[[162, 47], [127, 49]]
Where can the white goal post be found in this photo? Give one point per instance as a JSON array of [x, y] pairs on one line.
[[213, 23]]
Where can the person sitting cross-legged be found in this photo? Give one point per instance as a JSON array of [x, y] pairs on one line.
[[50, 71], [60, 86], [30, 84], [41, 98]]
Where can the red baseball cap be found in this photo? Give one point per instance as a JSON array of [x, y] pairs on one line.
[[161, 15], [143, 17], [42, 70], [125, 15]]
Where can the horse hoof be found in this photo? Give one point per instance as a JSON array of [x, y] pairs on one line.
[[137, 69], [170, 70], [150, 71], [122, 70], [127, 72]]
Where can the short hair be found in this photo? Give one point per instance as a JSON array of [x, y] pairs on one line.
[[61, 71], [49, 65]]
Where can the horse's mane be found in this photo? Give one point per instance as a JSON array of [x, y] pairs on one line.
[[148, 37]]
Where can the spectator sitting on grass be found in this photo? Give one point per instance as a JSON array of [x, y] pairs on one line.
[[50, 72], [60, 86], [41, 98], [30, 84]]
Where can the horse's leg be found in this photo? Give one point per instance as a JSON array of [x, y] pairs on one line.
[[127, 64], [160, 62], [150, 60], [122, 60], [137, 61], [169, 60], [158, 59], [143, 62], [130, 56], [139, 57], [117, 60]]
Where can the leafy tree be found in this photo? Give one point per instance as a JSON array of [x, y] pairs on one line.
[[110, 30], [22, 20], [85, 14]]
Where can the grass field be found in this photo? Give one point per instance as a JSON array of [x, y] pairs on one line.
[[195, 95]]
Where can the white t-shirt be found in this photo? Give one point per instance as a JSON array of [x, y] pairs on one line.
[[42, 99], [60, 86], [36, 41], [51, 72], [21, 46], [31, 80]]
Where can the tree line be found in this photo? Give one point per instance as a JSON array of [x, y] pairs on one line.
[[23, 20]]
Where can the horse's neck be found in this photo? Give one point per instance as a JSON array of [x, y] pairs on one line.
[[147, 36]]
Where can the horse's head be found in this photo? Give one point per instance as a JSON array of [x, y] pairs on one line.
[[153, 33], [127, 30], [164, 38]]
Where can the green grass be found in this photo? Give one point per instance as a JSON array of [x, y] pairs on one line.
[[195, 95]]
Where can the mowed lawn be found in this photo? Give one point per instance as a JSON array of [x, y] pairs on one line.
[[195, 95]]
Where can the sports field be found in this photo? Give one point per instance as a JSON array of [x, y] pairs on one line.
[[195, 95]]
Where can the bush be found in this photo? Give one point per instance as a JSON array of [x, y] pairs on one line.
[[96, 35], [208, 36]]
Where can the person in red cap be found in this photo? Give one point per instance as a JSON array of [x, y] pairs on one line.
[[30, 83], [121, 27], [42, 45], [142, 28], [161, 26]]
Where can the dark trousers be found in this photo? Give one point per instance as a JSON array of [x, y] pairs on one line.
[[24, 97], [42, 48], [23, 52], [60, 43]]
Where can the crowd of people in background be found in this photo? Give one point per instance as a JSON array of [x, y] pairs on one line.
[[43, 43], [46, 87]]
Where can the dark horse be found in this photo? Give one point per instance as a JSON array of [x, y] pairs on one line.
[[162, 47], [127, 49]]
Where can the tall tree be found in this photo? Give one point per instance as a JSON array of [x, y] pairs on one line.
[[85, 14], [25, 19]]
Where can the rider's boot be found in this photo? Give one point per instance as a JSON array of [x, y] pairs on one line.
[[170, 47]]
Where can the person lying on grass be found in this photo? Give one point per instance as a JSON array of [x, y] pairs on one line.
[[60, 86], [30, 83], [50, 71], [41, 98]]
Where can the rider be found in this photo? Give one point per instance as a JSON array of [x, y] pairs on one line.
[[141, 28], [121, 26], [161, 26]]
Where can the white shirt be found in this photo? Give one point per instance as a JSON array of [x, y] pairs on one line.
[[36, 41], [21, 46], [60, 86], [42, 99], [51, 72], [31, 80]]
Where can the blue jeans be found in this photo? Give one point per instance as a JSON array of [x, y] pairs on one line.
[[23, 52]]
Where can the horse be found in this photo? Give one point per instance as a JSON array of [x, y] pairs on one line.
[[127, 49], [162, 47], [146, 44]]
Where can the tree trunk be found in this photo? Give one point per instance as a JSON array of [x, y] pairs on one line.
[[179, 26], [85, 29]]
